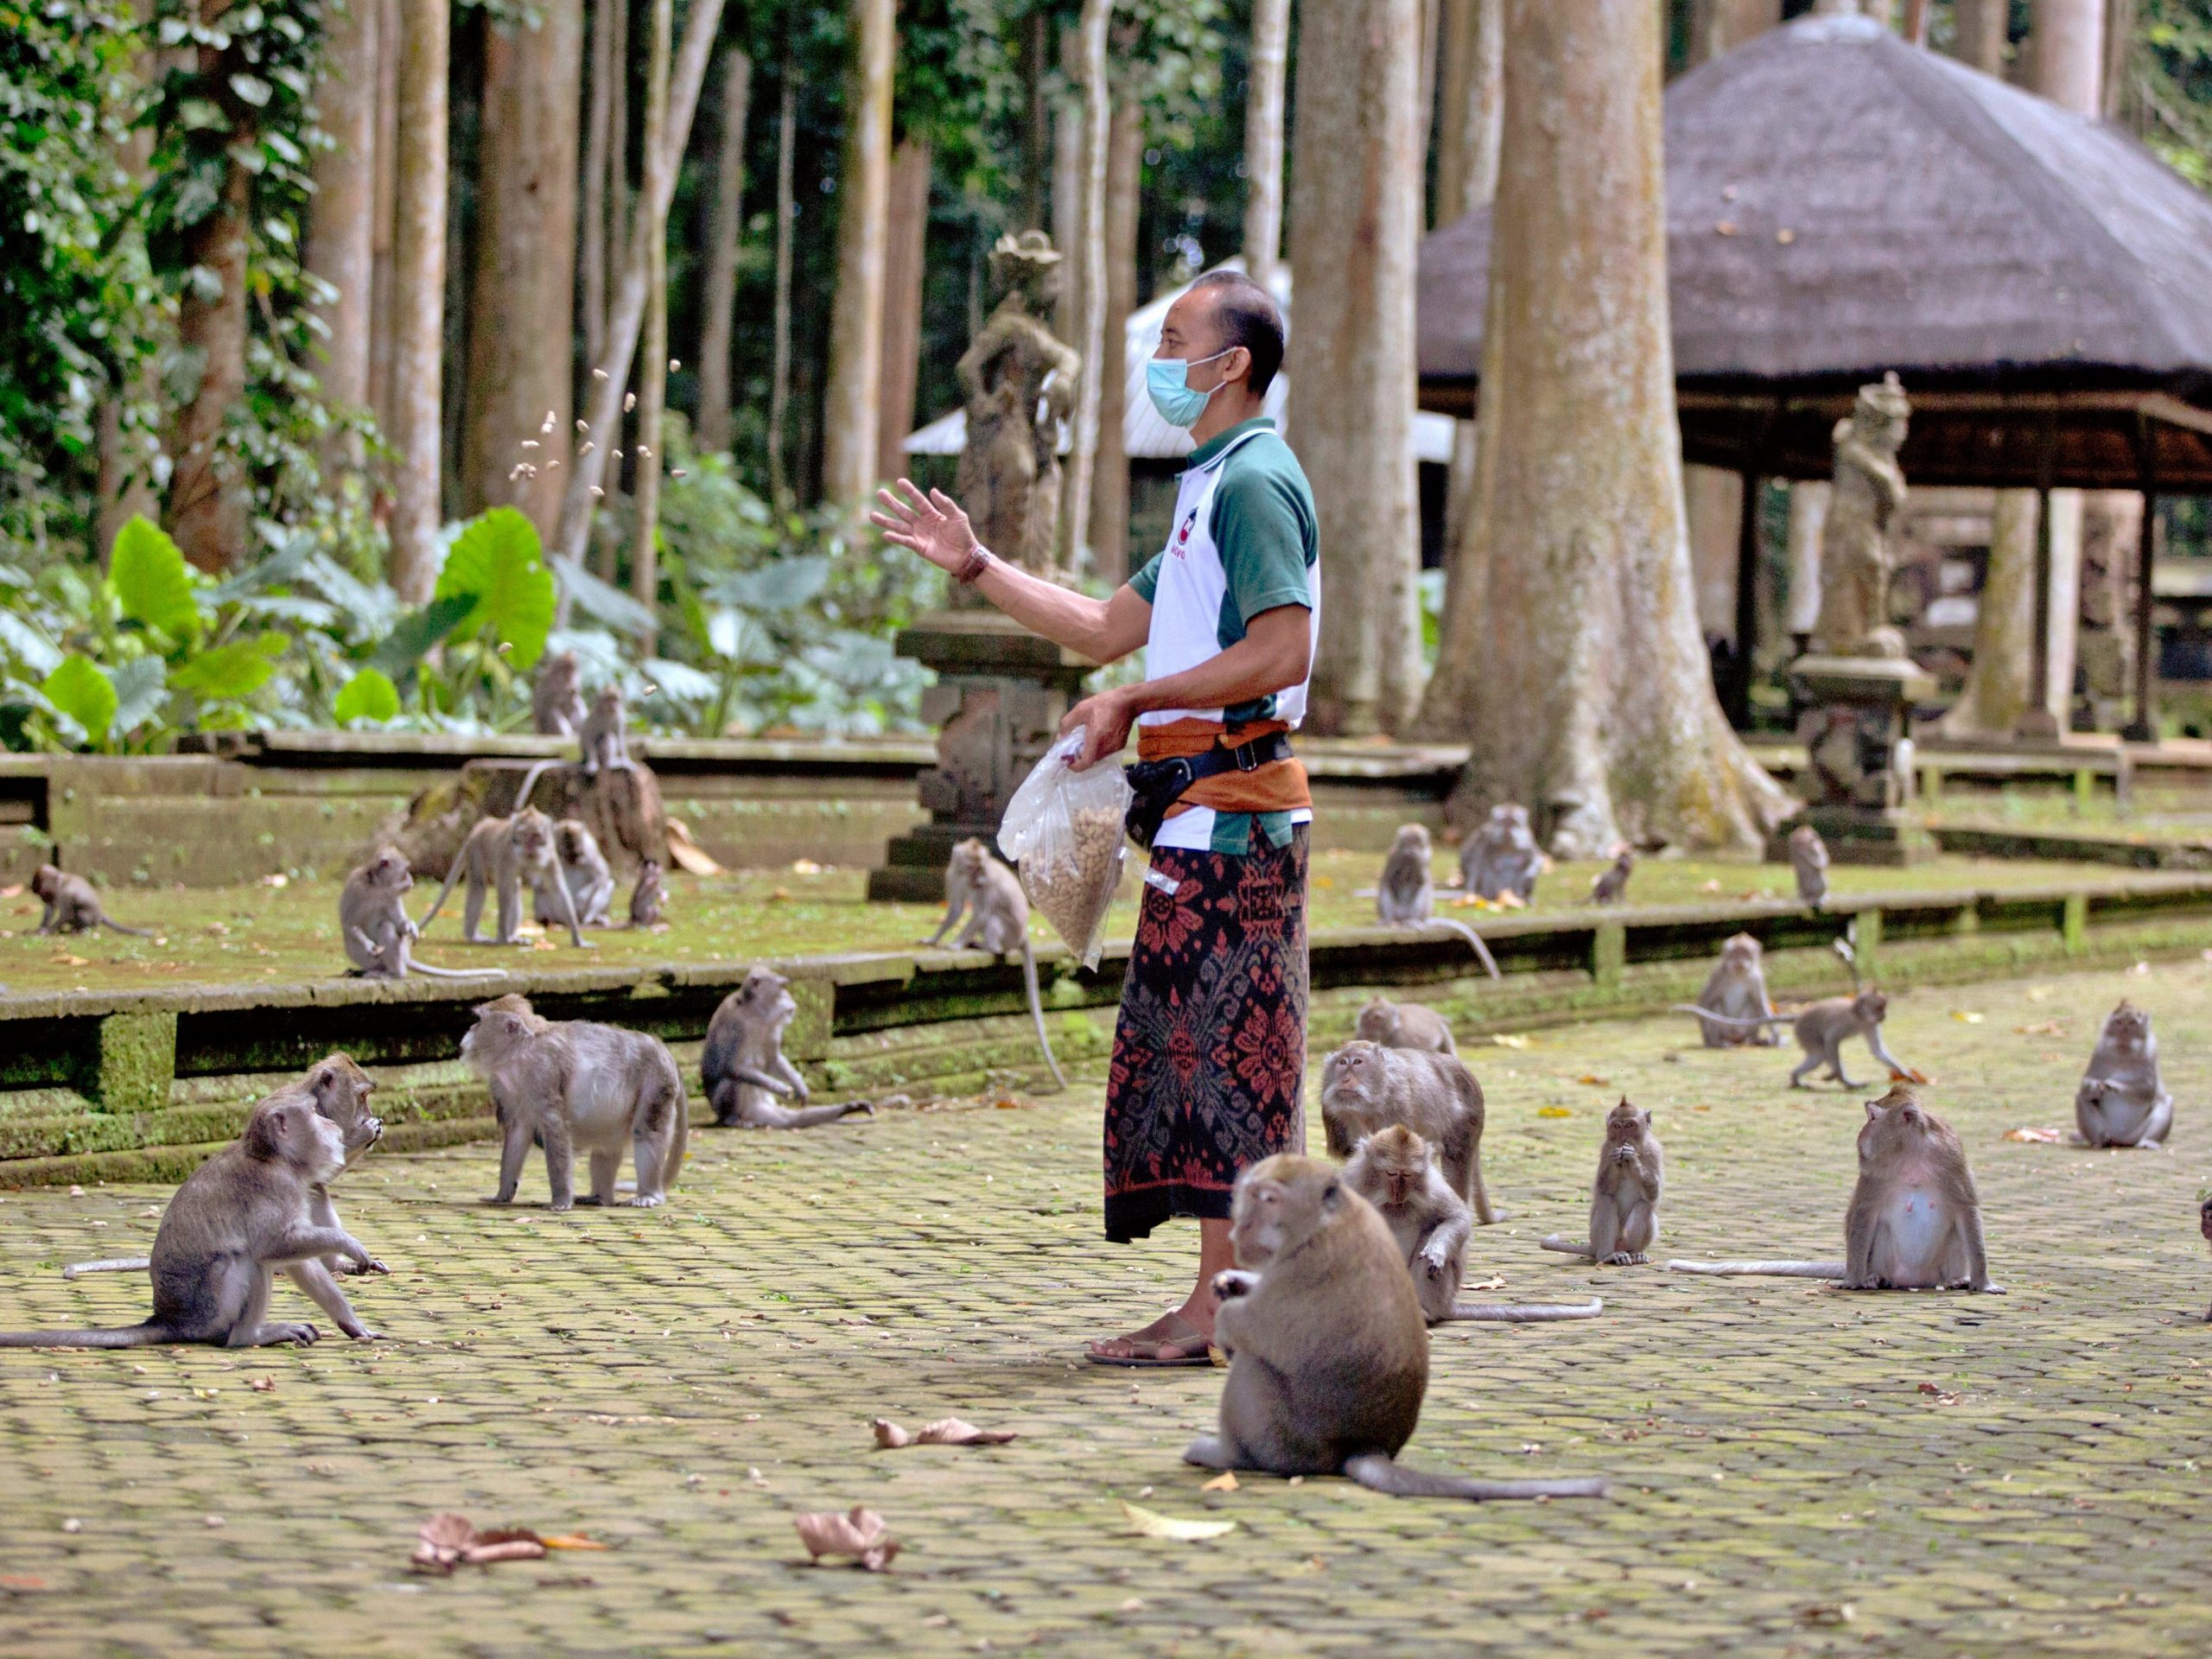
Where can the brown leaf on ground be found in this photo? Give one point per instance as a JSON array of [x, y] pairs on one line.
[[2047, 1137], [571, 1541], [449, 1541], [1224, 1482], [1941, 1396], [1150, 1523], [1910, 1074], [861, 1532], [263, 1384], [946, 1431], [2042, 1028]]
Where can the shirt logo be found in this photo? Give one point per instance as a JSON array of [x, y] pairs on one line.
[[1183, 535]]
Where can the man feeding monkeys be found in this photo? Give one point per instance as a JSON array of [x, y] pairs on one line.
[[1210, 1048]]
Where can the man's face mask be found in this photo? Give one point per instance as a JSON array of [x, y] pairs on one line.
[[1167, 380]]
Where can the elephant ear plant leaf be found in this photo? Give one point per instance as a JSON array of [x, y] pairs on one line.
[[498, 562], [80, 689], [368, 696], [153, 585]]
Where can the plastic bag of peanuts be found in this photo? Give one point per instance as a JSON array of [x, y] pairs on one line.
[[1064, 830]]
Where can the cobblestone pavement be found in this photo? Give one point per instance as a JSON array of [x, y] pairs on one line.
[[1798, 1470]]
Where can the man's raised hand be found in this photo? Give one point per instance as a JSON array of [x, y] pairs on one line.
[[932, 525]]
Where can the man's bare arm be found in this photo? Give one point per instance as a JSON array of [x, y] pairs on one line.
[[1274, 654]]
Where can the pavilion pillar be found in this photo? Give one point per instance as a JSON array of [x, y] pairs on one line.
[[2036, 724], [1736, 696], [2143, 729]]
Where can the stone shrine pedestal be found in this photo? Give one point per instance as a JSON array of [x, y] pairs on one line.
[[1855, 730], [1000, 695]]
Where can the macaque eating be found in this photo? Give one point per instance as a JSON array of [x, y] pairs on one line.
[[1407, 894], [2122, 1101], [1624, 1198]]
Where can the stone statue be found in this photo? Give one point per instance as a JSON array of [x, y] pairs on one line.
[[1020, 380], [1857, 557]]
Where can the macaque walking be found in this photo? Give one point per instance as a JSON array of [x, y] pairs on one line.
[[1821, 1030], [1736, 990], [2122, 1101], [998, 921], [1366, 1087], [72, 905], [743, 1067], [1624, 1198], [1406, 1025], [508, 855]]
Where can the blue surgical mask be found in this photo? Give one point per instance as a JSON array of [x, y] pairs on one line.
[[1167, 379]]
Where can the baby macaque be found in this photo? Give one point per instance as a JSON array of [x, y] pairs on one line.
[[1915, 1221], [1328, 1354], [1821, 1030], [1736, 989], [583, 870], [648, 896], [73, 906], [373, 923], [1366, 1087], [1808, 857], [605, 735], [743, 1066], [1406, 1025], [998, 921], [508, 854], [1611, 885], [1393, 1170], [1407, 895], [241, 1216], [573, 1083], [1624, 1199], [557, 699], [2122, 1102], [1502, 856]]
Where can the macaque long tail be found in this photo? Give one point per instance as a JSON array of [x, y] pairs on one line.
[[1768, 1269], [118, 1264], [1562, 1242], [1528, 1312]]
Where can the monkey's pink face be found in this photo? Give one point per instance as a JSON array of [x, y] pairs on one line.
[[1873, 1004], [1256, 1232], [2127, 1026], [1355, 1069], [392, 872]]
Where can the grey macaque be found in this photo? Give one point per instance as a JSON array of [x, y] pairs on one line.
[[1407, 894], [583, 872], [1406, 1025], [1393, 1170], [605, 735], [1328, 1352], [73, 906], [1736, 989], [1624, 1198], [241, 1216], [575, 1084], [557, 699], [1366, 1087], [375, 928], [1821, 1030], [1915, 1221], [1502, 856], [2122, 1102], [998, 921], [2204, 1226], [1611, 885], [648, 896], [1808, 857], [508, 855], [743, 1067]]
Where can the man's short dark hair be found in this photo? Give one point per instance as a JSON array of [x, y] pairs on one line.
[[1248, 317]]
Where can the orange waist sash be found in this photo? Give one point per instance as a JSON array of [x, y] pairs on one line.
[[1279, 786]]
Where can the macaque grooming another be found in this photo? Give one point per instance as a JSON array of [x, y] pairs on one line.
[[583, 870], [743, 1066], [1406, 896], [557, 699], [1502, 856], [1328, 1354], [998, 921], [2122, 1102], [378, 934], [73, 906], [1808, 857], [1392, 1169], [1366, 1087], [1821, 1030], [241, 1216], [1736, 989], [1915, 1221], [1406, 1025], [509, 855], [575, 1084], [1624, 1199]]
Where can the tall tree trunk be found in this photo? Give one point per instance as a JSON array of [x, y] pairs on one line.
[[2120, 46], [725, 227], [207, 508], [1356, 216], [124, 488], [600, 147], [779, 378], [1097, 136], [390, 48], [1719, 26], [342, 222], [1270, 65], [1067, 199], [1978, 32], [626, 314], [1425, 93], [1998, 680], [1109, 486], [523, 296], [645, 462], [1037, 116], [1474, 69], [849, 411], [2069, 49], [419, 296], [1578, 674], [907, 239]]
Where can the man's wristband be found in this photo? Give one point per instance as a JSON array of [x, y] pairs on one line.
[[978, 561]]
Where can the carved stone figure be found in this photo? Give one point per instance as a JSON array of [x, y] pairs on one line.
[[1857, 556], [1019, 381]]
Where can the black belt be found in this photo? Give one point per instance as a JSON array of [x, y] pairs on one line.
[[1157, 784]]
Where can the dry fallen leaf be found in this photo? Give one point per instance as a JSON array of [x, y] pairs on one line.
[[571, 1541], [1150, 1523], [1509, 1040], [1224, 1482], [1554, 1112], [1496, 1282], [1965, 1017], [449, 1541], [1910, 1074], [1941, 1396], [1593, 1080], [805, 867], [2042, 1028], [263, 1384], [65, 960], [861, 1532], [946, 1431], [2048, 1137]]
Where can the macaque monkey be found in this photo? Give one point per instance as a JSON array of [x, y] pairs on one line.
[[1406, 1025], [1808, 857], [508, 854], [1393, 1171], [1624, 1199], [573, 1083], [1366, 1087], [1502, 856], [73, 906], [647, 897], [2204, 1226], [238, 1218], [743, 1066], [1823, 1029], [605, 735], [1328, 1354], [1736, 989], [583, 870], [378, 934], [557, 699], [998, 921], [1611, 885], [1407, 894], [1915, 1221], [2122, 1102]]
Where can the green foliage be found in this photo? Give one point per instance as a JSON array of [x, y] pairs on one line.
[[497, 562], [152, 583], [367, 696], [80, 690], [2170, 84]]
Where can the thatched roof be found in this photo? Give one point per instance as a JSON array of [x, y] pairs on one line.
[[1841, 203]]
